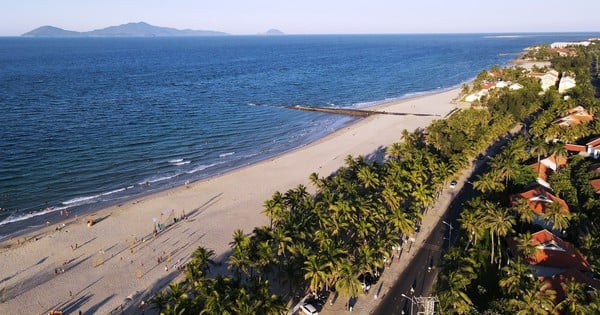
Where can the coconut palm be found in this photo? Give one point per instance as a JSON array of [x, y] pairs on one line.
[[539, 148], [517, 276], [347, 283], [488, 182], [555, 215], [317, 269], [499, 222], [575, 301], [535, 300]]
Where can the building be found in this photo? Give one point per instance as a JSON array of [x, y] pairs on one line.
[[575, 116], [591, 148], [547, 79], [539, 200], [567, 44], [554, 261], [515, 87], [566, 83], [547, 167]]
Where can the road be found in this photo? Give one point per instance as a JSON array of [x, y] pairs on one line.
[[417, 278]]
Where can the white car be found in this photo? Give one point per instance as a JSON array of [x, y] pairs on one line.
[[309, 309], [453, 184]]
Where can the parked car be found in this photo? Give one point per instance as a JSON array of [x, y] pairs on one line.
[[453, 184], [309, 309]]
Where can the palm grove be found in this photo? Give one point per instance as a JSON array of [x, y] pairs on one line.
[[324, 241]]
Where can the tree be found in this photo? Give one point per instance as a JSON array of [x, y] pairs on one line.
[[499, 222], [557, 216], [347, 283], [517, 277], [316, 271], [575, 301]]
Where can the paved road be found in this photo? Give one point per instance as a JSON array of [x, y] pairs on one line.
[[416, 279]]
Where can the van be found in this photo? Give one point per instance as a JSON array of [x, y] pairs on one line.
[[309, 309]]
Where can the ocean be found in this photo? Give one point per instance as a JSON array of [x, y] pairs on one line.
[[88, 122]]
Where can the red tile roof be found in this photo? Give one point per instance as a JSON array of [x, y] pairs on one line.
[[575, 147], [542, 171], [559, 161], [488, 85], [596, 184], [557, 282], [555, 253], [595, 168], [539, 198], [575, 116], [594, 142]]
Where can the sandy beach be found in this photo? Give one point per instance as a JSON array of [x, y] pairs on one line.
[[96, 269]]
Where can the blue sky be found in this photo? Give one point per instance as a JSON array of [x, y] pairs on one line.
[[308, 16]]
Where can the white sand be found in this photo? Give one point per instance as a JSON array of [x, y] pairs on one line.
[[216, 207]]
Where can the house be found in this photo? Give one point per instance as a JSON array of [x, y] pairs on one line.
[[515, 87], [502, 84], [539, 200], [593, 148], [476, 96], [575, 116], [547, 79], [566, 83], [547, 167], [554, 261]]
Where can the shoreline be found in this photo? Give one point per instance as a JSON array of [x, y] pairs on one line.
[[24, 224], [103, 272]]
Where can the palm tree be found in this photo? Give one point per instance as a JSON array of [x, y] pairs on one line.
[[347, 283], [535, 300], [488, 182], [499, 222], [523, 210], [316, 269], [539, 148], [575, 301], [517, 277], [525, 245], [555, 214]]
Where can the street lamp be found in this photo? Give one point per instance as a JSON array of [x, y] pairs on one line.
[[449, 231], [411, 302]]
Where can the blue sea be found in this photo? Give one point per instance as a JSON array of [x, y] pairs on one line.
[[89, 122]]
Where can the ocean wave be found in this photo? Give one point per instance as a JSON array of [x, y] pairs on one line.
[[222, 155], [23, 217], [182, 163], [80, 200], [201, 168], [173, 161]]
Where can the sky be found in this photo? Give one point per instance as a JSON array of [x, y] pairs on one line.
[[308, 16]]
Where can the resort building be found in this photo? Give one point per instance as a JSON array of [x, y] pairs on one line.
[[515, 87], [540, 200], [575, 116], [477, 96], [567, 44], [591, 148], [566, 83], [555, 261], [547, 167], [547, 79]]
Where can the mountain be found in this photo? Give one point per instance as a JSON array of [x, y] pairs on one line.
[[51, 31], [274, 32], [140, 29]]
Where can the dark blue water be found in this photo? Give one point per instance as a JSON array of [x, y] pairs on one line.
[[87, 122]]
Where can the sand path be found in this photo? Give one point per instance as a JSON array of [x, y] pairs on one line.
[[117, 258]]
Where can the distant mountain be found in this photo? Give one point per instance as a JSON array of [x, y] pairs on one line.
[[51, 31], [140, 29], [274, 32]]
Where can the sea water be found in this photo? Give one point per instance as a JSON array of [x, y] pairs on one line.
[[88, 122]]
